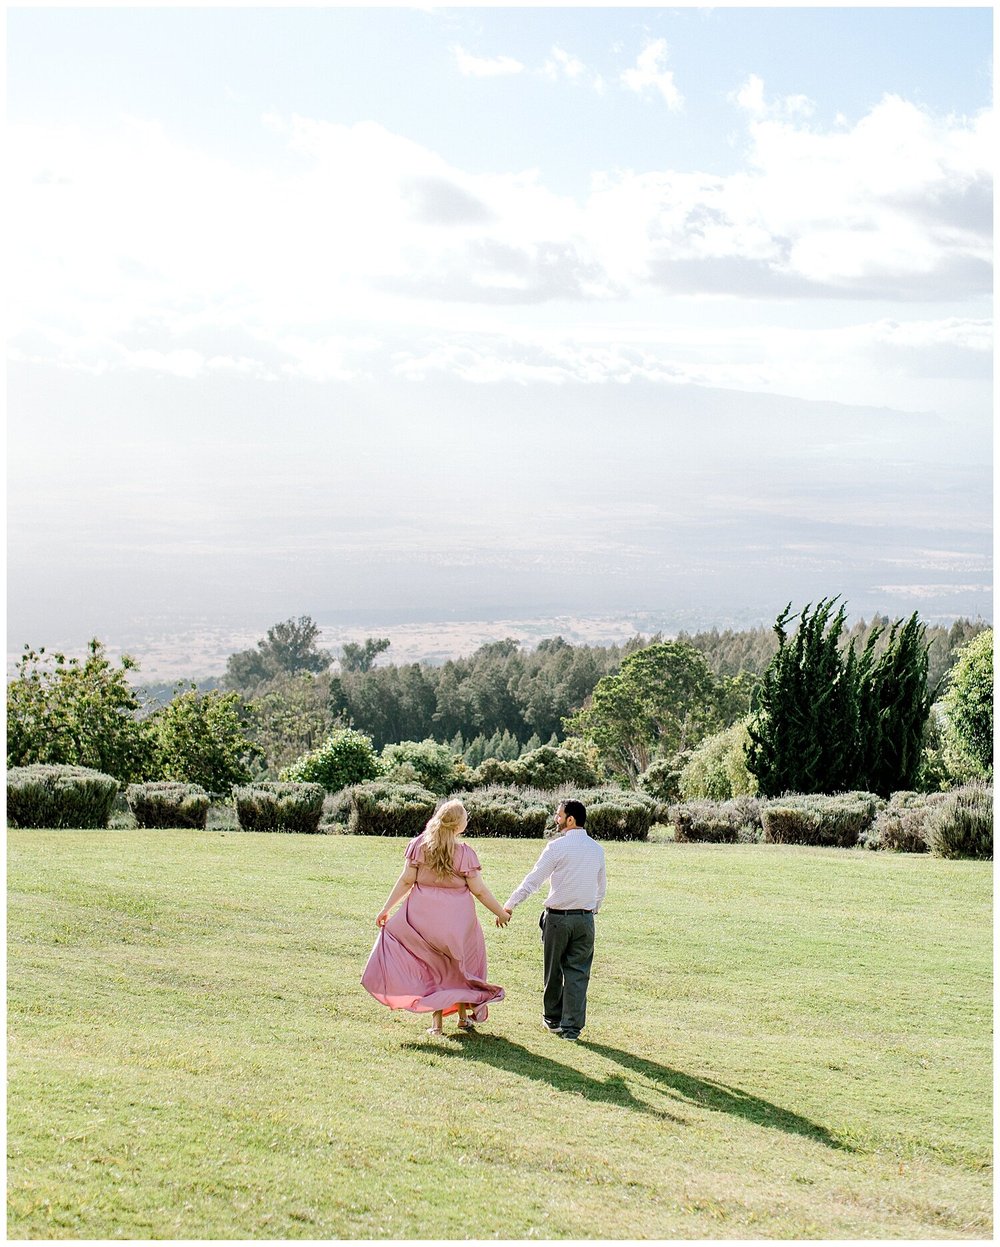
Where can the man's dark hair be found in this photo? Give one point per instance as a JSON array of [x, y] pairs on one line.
[[576, 810]]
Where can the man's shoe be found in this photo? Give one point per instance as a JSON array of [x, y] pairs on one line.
[[567, 1035], [551, 1026]]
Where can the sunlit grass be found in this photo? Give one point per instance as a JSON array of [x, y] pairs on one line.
[[782, 1043]]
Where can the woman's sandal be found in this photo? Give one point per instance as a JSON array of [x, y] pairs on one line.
[[467, 1027], [436, 1031]]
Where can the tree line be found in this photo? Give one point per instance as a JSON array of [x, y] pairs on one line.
[[649, 711]]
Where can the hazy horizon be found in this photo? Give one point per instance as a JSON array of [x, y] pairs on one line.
[[484, 314]]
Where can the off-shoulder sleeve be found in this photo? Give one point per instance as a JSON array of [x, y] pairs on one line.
[[414, 850], [468, 862]]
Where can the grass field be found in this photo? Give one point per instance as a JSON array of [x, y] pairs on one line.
[[782, 1043]]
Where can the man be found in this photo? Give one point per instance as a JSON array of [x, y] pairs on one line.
[[574, 865]]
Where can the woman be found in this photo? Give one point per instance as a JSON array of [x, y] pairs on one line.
[[430, 956]]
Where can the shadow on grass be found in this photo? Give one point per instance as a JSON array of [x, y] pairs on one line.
[[720, 1098], [503, 1054]]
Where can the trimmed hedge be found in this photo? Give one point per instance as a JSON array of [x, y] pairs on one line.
[[616, 814], [718, 822], [270, 806], [962, 824], [518, 813], [168, 805], [833, 821], [337, 810], [382, 808], [59, 796], [903, 826]]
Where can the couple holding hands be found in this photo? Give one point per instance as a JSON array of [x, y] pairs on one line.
[[430, 955]]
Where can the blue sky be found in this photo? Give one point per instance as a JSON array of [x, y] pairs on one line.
[[322, 307], [212, 72]]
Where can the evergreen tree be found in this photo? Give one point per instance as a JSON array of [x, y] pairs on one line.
[[802, 731], [826, 719]]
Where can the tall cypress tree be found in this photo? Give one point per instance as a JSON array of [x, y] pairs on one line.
[[899, 702], [830, 719]]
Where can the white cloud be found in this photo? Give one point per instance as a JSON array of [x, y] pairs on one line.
[[750, 97], [562, 64], [648, 75], [134, 250], [485, 66], [891, 363], [899, 206]]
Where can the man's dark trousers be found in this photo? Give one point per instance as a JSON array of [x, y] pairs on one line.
[[567, 954]]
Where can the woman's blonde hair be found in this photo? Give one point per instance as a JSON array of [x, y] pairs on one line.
[[444, 825]]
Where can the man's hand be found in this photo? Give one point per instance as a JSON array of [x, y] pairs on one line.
[[502, 922]]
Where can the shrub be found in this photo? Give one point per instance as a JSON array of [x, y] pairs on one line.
[[545, 768], [382, 808], [616, 814], [345, 757], [269, 806], [903, 826], [962, 824], [423, 762], [834, 821], [661, 779], [501, 811], [337, 810], [718, 822], [168, 805], [59, 796], [717, 768]]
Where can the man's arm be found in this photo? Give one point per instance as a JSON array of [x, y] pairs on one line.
[[535, 877], [602, 886]]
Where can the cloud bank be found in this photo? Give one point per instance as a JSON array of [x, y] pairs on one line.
[[134, 250]]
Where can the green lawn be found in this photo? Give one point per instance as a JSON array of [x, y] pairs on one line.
[[782, 1043]]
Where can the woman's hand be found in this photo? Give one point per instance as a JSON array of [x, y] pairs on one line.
[[383, 917], [503, 917]]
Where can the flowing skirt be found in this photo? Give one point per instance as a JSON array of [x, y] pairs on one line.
[[431, 955]]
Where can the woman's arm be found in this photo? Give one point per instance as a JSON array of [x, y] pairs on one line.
[[485, 897], [403, 884]]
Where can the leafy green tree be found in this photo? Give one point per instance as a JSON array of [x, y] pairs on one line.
[[968, 708], [389, 703], [200, 738], [662, 701], [288, 716], [717, 769], [289, 647], [75, 713], [345, 757], [354, 657]]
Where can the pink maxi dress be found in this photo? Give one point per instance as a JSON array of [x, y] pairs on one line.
[[431, 953]]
